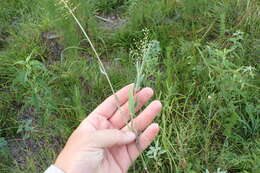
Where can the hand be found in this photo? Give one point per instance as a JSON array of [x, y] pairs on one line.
[[103, 143]]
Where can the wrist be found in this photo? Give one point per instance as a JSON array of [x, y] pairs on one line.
[[61, 163], [54, 168]]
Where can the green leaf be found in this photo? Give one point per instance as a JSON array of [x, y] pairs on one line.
[[20, 62], [131, 102], [35, 101], [230, 123], [22, 77], [37, 65], [3, 142]]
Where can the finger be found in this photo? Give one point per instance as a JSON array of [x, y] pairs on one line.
[[121, 116], [146, 117], [144, 140], [109, 106], [109, 138]]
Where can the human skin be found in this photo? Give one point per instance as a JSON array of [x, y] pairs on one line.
[[103, 142]]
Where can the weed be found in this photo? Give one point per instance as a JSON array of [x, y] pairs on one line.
[[25, 128], [149, 53], [155, 152], [3, 142], [218, 171]]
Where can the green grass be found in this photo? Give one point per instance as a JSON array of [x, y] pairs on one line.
[[208, 79]]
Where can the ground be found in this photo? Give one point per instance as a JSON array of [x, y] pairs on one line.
[[208, 79]]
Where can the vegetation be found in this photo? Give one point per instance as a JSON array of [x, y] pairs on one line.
[[207, 75]]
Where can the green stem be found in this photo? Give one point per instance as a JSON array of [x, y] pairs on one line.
[[96, 54]]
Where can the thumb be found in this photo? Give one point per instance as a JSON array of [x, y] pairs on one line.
[[109, 138]]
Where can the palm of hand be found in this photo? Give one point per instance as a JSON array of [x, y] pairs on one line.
[[103, 151]]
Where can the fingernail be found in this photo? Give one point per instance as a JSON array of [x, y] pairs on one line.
[[130, 136]]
